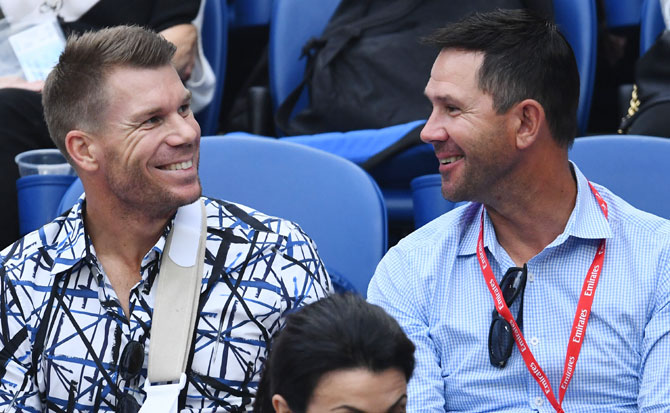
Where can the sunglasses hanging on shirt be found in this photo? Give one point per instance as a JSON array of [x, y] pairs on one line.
[[501, 338]]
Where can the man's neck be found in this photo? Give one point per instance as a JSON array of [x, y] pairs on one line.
[[122, 238], [125, 236], [530, 216]]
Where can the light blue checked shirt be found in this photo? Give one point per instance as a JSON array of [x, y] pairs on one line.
[[432, 284]]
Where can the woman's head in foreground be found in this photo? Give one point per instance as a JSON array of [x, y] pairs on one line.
[[340, 353]]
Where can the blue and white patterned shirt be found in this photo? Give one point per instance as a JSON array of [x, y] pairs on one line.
[[257, 269], [432, 284]]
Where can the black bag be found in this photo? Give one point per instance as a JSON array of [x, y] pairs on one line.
[[650, 101], [368, 69]]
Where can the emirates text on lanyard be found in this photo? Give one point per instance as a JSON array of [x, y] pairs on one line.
[[578, 326]]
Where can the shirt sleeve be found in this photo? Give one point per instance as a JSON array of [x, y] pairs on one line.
[[303, 278], [18, 388], [655, 368], [392, 288]]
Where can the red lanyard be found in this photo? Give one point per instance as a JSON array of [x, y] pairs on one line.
[[578, 325]]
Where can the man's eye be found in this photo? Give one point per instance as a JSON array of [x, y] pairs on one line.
[[152, 120], [452, 110], [185, 109]]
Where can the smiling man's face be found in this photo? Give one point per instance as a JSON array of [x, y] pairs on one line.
[[473, 143], [150, 140]]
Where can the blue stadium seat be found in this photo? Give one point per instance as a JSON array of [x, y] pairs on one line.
[[428, 200], [244, 13], [292, 24], [332, 199], [214, 44], [578, 22], [634, 167], [622, 13]]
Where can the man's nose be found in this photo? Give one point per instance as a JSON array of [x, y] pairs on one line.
[[435, 129], [185, 130]]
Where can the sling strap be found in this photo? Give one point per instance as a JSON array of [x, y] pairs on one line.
[[175, 308]]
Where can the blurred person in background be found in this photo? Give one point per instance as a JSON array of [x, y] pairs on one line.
[[497, 295]]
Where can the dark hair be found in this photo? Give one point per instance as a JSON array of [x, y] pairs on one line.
[[74, 92], [337, 332], [525, 57]]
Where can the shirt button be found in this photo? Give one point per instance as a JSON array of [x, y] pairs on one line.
[[531, 277], [539, 400], [535, 341]]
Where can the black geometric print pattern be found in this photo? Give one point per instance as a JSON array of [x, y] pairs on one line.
[[63, 331]]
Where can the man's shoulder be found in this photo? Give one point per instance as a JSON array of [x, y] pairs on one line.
[[634, 222], [638, 236], [40, 243], [267, 241], [223, 215], [439, 241], [447, 228]]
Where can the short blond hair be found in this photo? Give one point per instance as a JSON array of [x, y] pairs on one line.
[[74, 94]]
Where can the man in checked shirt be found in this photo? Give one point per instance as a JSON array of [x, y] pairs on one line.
[[77, 296], [546, 292]]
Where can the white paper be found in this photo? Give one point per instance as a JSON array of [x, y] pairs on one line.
[[38, 49]]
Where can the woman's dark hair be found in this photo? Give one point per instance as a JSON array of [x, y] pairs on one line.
[[335, 333]]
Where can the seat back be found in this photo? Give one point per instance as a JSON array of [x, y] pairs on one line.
[[634, 167], [622, 13], [578, 22], [427, 199], [245, 13], [651, 24], [292, 24], [332, 199], [214, 44]]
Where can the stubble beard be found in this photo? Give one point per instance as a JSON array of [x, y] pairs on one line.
[[482, 174], [133, 189]]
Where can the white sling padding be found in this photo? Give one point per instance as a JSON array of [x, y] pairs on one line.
[[176, 304]]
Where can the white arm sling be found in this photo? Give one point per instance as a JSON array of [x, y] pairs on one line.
[[175, 309]]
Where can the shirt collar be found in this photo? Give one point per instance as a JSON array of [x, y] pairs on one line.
[[70, 241], [468, 245], [73, 244], [586, 221]]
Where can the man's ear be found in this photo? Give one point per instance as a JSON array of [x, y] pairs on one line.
[[82, 149], [530, 118], [279, 404]]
